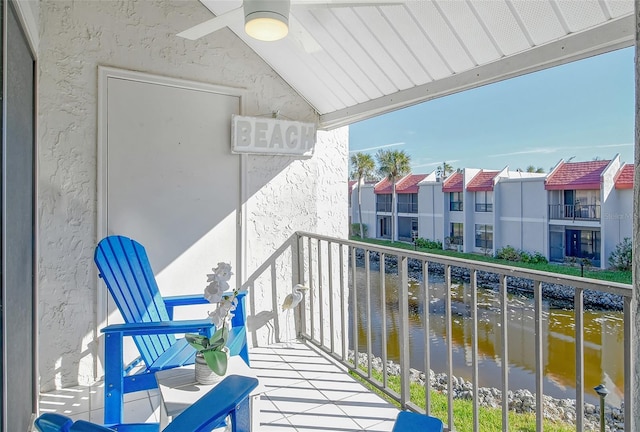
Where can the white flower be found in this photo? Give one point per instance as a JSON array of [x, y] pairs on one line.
[[217, 318], [223, 270], [214, 292]]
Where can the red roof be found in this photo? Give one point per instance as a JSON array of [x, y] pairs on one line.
[[383, 187], [576, 175], [483, 181], [454, 183], [406, 185], [624, 178]]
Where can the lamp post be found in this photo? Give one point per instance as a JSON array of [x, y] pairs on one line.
[[602, 392]]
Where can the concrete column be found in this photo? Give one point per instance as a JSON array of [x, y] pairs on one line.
[[632, 423]]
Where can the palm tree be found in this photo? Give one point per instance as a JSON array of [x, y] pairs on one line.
[[362, 167], [446, 169], [393, 164]]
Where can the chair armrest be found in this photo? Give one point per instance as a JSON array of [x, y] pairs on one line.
[[191, 299], [184, 300], [211, 409], [162, 327], [188, 300]]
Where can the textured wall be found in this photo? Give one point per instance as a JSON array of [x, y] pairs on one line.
[[76, 37], [285, 195]]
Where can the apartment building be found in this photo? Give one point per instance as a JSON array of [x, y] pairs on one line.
[[579, 209]]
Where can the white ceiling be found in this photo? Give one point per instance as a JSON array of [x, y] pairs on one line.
[[352, 63]]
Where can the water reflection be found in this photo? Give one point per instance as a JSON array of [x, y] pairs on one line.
[[603, 344]]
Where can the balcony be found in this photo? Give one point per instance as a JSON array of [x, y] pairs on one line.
[[484, 207], [346, 316], [590, 212], [407, 207], [456, 206], [384, 207]]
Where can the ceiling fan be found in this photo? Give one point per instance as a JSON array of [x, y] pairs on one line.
[[268, 20]]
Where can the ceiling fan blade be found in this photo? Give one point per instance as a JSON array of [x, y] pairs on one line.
[[214, 24]]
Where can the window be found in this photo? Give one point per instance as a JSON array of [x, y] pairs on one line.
[[456, 234], [383, 203], [484, 236], [583, 244], [455, 201], [408, 203], [484, 201]]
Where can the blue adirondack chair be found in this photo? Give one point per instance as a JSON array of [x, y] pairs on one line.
[[124, 267], [230, 397]]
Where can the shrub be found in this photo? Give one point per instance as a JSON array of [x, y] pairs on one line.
[[509, 253], [428, 244], [355, 229], [621, 257], [538, 258]]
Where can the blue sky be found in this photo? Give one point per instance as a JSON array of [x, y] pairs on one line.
[[583, 109]]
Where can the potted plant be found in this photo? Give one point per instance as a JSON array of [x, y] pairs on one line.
[[212, 352]]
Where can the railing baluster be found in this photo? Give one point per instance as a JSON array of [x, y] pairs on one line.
[[320, 294], [354, 300], [474, 349], [383, 303], [343, 304], [427, 336], [331, 329], [303, 316], [578, 311], [537, 299], [311, 293], [629, 316], [403, 298], [448, 327], [505, 352], [367, 272]]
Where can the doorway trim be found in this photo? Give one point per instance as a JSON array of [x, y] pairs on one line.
[[104, 74]]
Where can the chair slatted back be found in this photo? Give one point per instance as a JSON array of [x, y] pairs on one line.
[[124, 266]]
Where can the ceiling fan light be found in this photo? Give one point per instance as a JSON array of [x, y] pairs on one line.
[[266, 20]]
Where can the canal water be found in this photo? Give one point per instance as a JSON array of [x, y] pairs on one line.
[[603, 337]]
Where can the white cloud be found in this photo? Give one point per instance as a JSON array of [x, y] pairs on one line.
[[364, 150], [542, 150]]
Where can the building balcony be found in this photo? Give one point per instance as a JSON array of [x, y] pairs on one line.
[[590, 212], [456, 206], [408, 207]]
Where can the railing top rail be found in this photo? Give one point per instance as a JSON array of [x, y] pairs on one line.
[[617, 288]]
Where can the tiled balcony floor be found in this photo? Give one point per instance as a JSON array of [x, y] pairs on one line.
[[305, 392]]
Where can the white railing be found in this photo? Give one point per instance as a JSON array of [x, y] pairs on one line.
[[329, 266]]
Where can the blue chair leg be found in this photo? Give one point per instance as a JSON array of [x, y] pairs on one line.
[[241, 417], [113, 379]]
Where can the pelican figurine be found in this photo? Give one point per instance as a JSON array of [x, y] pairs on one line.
[[292, 300]]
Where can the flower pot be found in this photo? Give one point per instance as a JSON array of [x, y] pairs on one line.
[[204, 374]]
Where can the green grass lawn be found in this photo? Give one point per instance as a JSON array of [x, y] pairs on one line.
[[605, 275], [490, 418]]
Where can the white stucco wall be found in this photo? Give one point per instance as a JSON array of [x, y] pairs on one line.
[[76, 37], [521, 206], [431, 211]]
